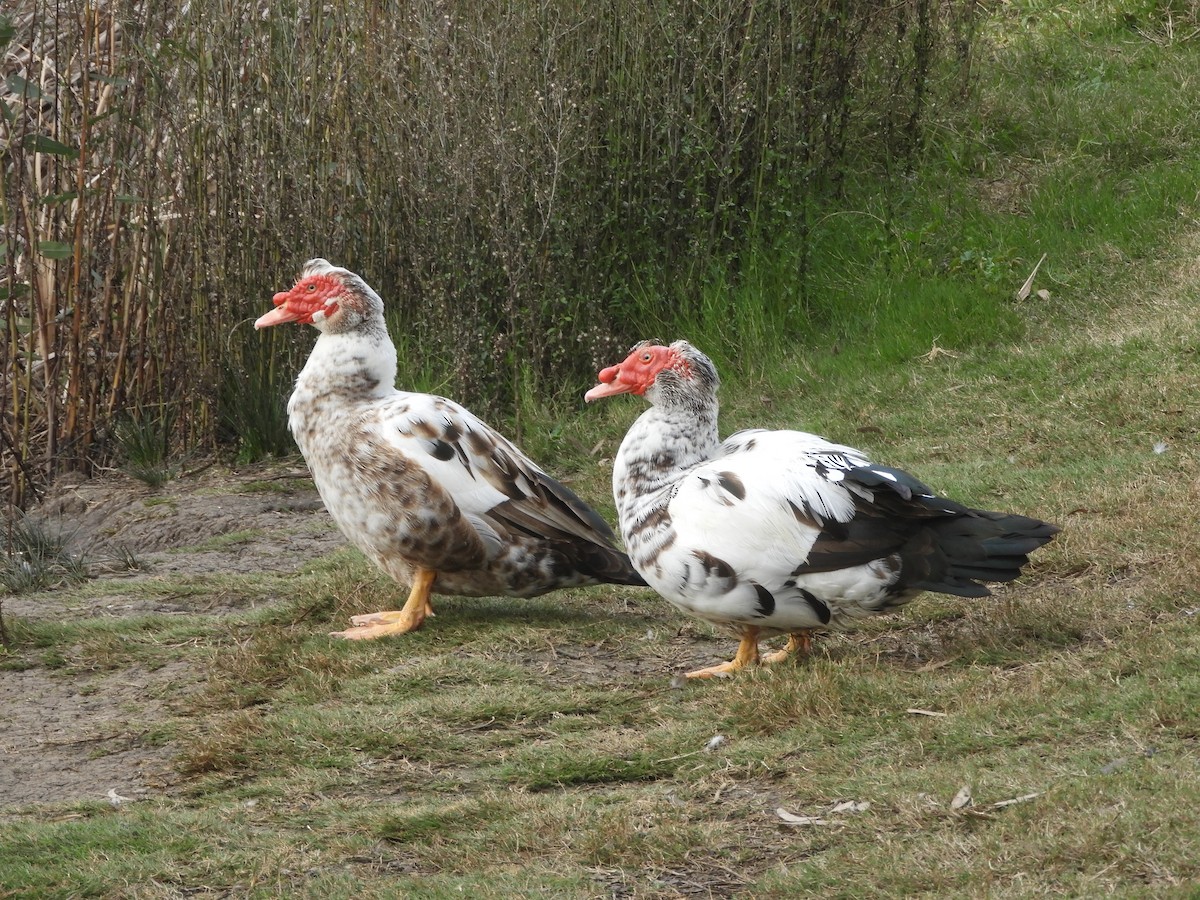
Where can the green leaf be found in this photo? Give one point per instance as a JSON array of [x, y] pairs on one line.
[[7, 31], [92, 120], [17, 290], [42, 144], [55, 249], [114, 80], [57, 198], [129, 198], [24, 88]]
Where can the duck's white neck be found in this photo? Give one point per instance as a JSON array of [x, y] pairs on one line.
[[662, 444], [359, 365]]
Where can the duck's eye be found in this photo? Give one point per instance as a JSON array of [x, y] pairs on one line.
[[646, 357], [311, 288]]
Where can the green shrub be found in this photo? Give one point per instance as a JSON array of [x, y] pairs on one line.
[[531, 187]]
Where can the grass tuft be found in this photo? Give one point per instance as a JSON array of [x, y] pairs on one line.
[[38, 556], [145, 446]]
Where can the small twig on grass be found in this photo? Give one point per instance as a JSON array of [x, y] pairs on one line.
[[1022, 799], [308, 611]]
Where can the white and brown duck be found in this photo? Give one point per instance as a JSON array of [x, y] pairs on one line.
[[430, 493]]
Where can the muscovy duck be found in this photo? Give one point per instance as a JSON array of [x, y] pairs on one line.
[[430, 493], [783, 532]]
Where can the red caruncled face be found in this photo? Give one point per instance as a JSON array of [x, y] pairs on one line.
[[312, 295], [637, 373]]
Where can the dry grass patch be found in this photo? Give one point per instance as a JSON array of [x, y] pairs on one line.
[[1160, 308]]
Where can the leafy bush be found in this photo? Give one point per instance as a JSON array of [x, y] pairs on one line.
[[531, 186]]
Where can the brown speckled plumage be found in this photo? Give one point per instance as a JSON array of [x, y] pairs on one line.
[[417, 482]]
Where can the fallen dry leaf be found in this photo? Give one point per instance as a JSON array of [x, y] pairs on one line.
[[1024, 797], [1023, 291], [852, 806], [962, 799], [926, 712], [116, 799], [793, 819]]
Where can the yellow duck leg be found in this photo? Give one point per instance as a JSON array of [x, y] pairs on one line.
[[801, 641], [395, 621], [747, 655]]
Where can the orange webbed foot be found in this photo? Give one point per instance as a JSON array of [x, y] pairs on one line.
[[747, 655], [800, 642], [417, 608]]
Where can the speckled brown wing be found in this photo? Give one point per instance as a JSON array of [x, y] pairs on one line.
[[536, 502], [406, 511], [497, 489]]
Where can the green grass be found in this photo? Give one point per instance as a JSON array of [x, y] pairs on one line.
[[230, 539], [1080, 148], [144, 438], [539, 747]]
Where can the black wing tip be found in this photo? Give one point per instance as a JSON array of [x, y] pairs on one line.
[[960, 554], [626, 575], [630, 579], [601, 564], [1016, 525]]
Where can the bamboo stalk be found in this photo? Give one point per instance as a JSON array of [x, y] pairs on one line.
[[77, 298]]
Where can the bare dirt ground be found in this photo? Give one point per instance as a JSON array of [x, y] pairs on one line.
[[67, 735]]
